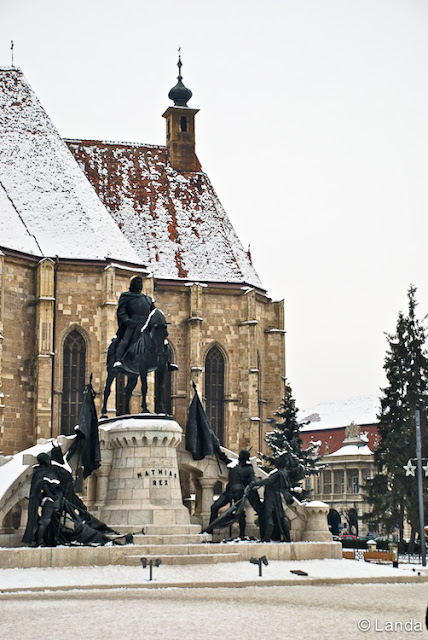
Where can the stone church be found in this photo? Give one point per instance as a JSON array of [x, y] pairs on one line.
[[78, 218]]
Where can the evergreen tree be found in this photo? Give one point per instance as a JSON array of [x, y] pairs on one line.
[[285, 438], [391, 494]]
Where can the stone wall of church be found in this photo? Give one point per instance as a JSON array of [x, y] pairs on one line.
[[17, 355], [248, 328], [86, 301], [42, 302]]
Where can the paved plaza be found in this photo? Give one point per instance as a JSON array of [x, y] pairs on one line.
[[337, 599], [274, 613]]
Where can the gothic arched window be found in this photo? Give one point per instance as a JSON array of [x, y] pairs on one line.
[[74, 366], [167, 391], [214, 390]]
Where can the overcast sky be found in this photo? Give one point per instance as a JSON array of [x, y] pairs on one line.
[[313, 128]]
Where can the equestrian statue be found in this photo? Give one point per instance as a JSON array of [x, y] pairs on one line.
[[140, 346]]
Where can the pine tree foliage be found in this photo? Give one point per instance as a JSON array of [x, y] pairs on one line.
[[285, 438], [391, 494]]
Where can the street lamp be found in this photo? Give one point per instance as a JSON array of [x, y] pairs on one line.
[[394, 550], [410, 470], [420, 486]]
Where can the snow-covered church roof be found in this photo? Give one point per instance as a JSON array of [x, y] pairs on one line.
[[174, 219], [47, 206]]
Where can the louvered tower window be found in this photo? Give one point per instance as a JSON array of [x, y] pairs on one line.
[[74, 359], [214, 390]]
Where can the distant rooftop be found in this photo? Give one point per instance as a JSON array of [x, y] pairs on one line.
[[360, 409], [329, 420]]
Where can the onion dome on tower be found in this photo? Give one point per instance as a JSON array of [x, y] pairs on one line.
[[180, 94]]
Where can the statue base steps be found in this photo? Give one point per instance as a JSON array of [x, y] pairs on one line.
[[165, 530], [188, 559], [11, 539], [185, 554], [167, 540], [161, 530]]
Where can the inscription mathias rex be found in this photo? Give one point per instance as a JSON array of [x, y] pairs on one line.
[[158, 477]]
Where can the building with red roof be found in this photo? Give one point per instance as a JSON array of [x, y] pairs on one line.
[[345, 434]]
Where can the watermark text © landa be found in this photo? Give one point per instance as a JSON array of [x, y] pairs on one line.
[[390, 626]]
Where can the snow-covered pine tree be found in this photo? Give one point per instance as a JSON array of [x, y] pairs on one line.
[[285, 438], [391, 494]]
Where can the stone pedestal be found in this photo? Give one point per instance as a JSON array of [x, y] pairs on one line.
[[207, 485], [316, 529], [139, 483]]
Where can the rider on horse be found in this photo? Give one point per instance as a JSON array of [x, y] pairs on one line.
[[140, 346], [132, 314]]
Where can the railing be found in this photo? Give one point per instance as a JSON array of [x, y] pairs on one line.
[[403, 558]]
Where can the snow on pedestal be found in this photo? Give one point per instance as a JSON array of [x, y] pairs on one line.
[[138, 483]]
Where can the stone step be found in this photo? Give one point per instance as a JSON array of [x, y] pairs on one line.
[[181, 549], [190, 558], [159, 529], [11, 539], [171, 529], [26, 557], [183, 538]]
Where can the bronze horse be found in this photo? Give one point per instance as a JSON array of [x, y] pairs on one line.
[[149, 353]]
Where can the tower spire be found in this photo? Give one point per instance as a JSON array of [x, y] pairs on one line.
[[179, 64], [180, 94]]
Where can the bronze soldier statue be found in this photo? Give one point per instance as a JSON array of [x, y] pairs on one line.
[[46, 495], [240, 476], [277, 486], [133, 312]]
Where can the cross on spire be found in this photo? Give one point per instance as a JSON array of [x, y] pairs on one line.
[[179, 63]]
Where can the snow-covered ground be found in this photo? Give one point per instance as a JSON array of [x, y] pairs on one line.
[[336, 612], [241, 572]]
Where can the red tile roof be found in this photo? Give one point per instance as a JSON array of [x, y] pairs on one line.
[[174, 220], [333, 438]]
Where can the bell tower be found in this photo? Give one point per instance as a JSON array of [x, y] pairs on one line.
[[180, 127]]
